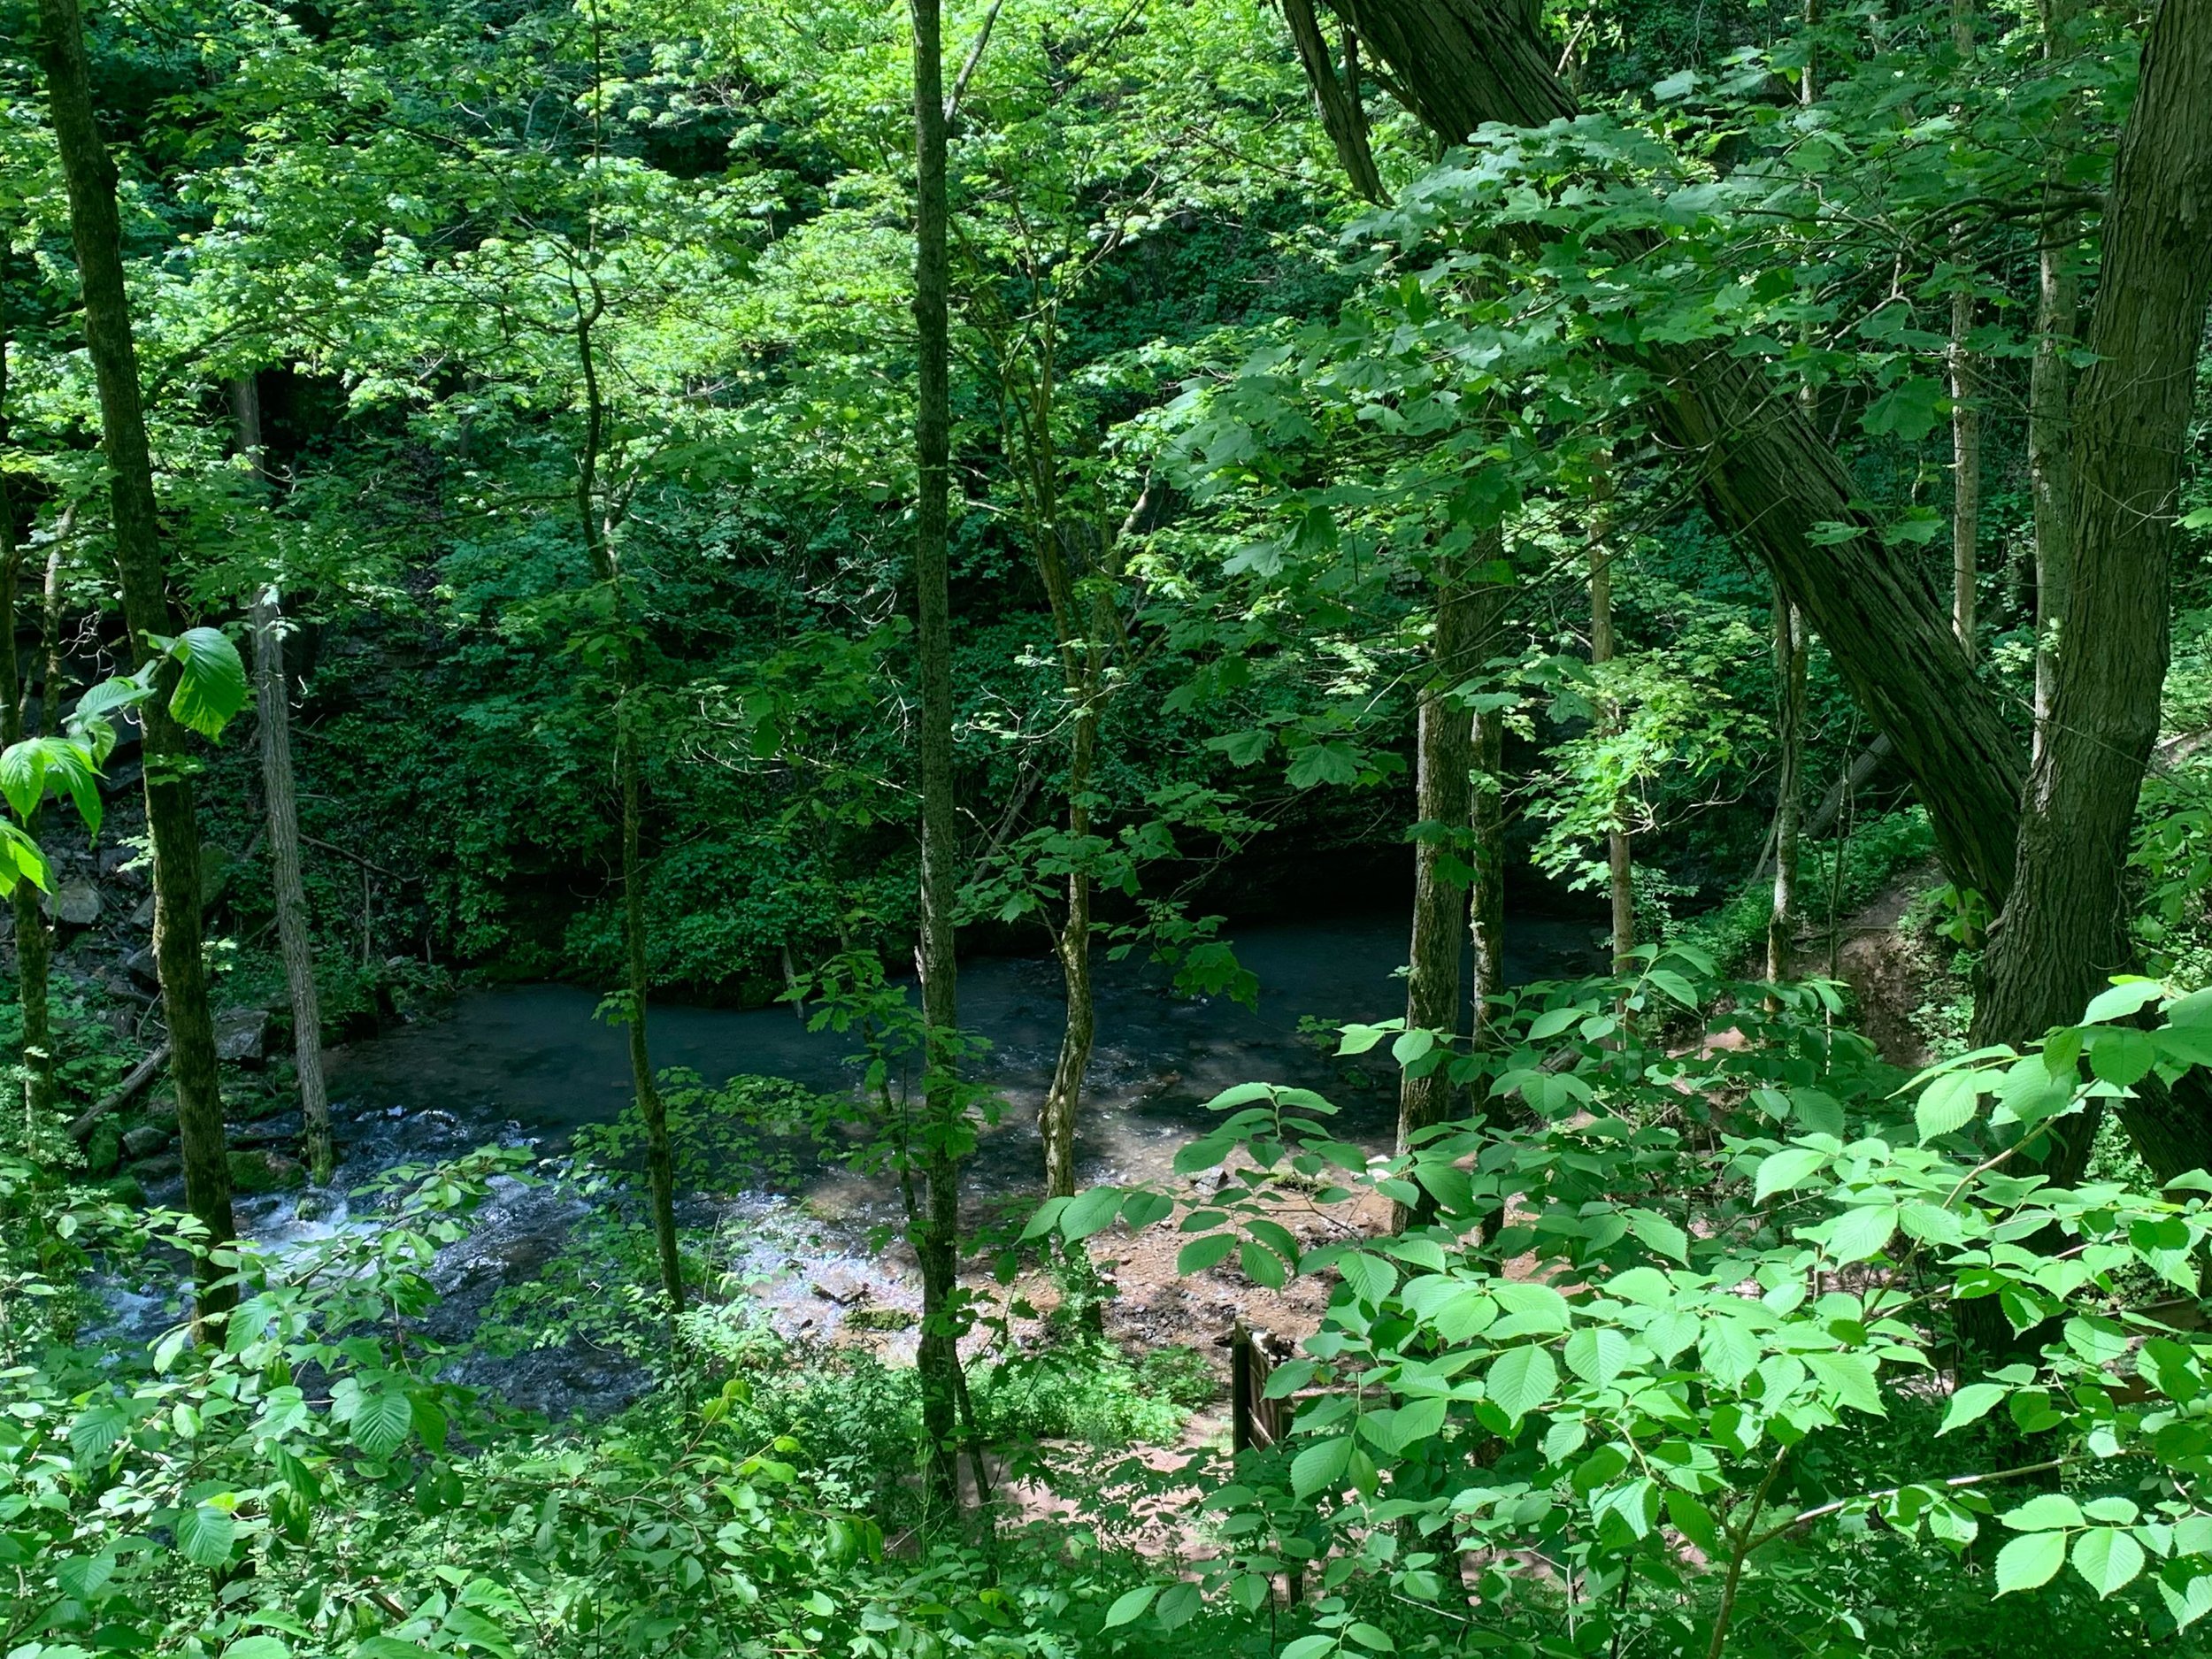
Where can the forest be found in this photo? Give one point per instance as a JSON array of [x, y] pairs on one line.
[[1292, 829]]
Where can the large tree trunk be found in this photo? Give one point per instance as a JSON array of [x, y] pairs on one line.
[[1769, 476], [938, 1247], [2064, 929], [1791, 652], [170, 812], [33, 947], [272, 703]]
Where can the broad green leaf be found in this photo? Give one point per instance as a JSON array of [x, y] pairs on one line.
[[1089, 1212], [1521, 1379], [1200, 1254], [1262, 1265], [210, 681], [2028, 1560], [2126, 997], [258, 1647], [2107, 1559], [1661, 1234], [1792, 1166], [382, 1422], [1860, 1232], [1370, 1278], [95, 1429], [1946, 1104], [204, 1535], [1597, 1354], [1321, 1466], [1315, 1647], [1850, 1377], [1130, 1605], [1970, 1404], [2042, 1513]]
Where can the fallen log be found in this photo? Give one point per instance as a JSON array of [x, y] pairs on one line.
[[122, 1095]]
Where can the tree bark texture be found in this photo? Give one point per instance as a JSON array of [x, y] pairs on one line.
[[1444, 765], [273, 705], [1791, 654], [2064, 929], [34, 944], [172, 818], [1342, 118], [939, 1245], [1768, 475]]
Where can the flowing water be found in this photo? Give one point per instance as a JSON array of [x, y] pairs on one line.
[[526, 1065]]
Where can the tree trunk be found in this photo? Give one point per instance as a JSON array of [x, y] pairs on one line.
[[272, 703], [170, 816], [2064, 929], [1769, 478], [1966, 417], [1342, 117], [2050, 440], [939, 1244], [1065, 1100], [660, 1163], [1444, 765], [1486, 902], [597, 528], [33, 947], [1791, 652], [1620, 872]]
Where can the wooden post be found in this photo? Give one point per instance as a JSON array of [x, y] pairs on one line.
[[1240, 1388]]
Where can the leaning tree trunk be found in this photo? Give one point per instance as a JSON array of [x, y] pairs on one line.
[[34, 946], [2064, 928], [273, 705], [170, 816], [1769, 478], [938, 1247], [1444, 765], [1791, 652]]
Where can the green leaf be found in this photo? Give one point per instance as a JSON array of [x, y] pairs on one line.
[[258, 1647], [1310, 1648], [1674, 985], [1180, 1605], [1946, 1104], [1130, 1605], [96, 1429], [2043, 1513], [1792, 1166], [2031, 1559], [1970, 1404], [1661, 1234], [1370, 1278], [1321, 1466], [382, 1422], [1142, 1209], [204, 1535], [1859, 1232], [1200, 1254], [211, 683], [1089, 1212], [1597, 1354], [1368, 1636], [2107, 1559], [1850, 1377], [2126, 998], [1521, 1379], [1262, 1265]]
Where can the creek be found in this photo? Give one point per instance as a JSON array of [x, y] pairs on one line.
[[526, 1065]]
